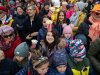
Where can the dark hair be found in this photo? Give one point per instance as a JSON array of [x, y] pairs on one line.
[[45, 16], [51, 46], [64, 21], [40, 5], [19, 7]]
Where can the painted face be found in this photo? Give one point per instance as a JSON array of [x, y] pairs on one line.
[[78, 59], [49, 37], [61, 69], [44, 22], [61, 16], [43, 69], [67, 35], [8, 37], [19, 58], [31, 12], [19, 11]]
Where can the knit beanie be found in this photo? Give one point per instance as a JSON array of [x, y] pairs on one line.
[[5, 28], [59, 58], [81, 5], [82, 37], [3, 8], [77, 49], [67, 29], [22, 50]]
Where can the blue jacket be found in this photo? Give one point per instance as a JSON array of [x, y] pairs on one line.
[[29, 66], [41, 34]]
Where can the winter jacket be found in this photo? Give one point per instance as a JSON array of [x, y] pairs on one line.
[[41, 34], [81, 68], [77, 19], [84, 29], [28, 70], [31, 27], [8, 67], [18, 25], [94, 54], [10, 52]]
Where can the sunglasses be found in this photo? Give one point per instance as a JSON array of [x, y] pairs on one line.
[[8, 36], [97, 13]]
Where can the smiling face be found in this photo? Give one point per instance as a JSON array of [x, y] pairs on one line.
[[19, 10], [31, 11], [61, 68], [49, 37], [61, 16]]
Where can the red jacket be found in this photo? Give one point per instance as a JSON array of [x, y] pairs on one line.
[[10, 52]]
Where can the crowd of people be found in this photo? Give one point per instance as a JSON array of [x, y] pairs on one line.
[[49, 37]]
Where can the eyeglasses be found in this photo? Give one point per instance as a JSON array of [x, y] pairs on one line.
[[8, 36]]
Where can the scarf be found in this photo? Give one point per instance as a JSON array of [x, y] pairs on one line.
[[94, 31]]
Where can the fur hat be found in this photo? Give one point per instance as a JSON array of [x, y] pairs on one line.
[[59, 58], [22, 50], [77, 49], [3, 8]]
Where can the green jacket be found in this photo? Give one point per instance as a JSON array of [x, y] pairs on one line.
[[94, 54], [81, 68]]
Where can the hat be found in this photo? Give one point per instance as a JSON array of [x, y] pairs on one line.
[[46, 3], [77, 49], [81, 5], [5, 28], [22, 50], [67, 29], [12, 2], [3, 8], [82, 37], [59, 58], [96, 8]]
